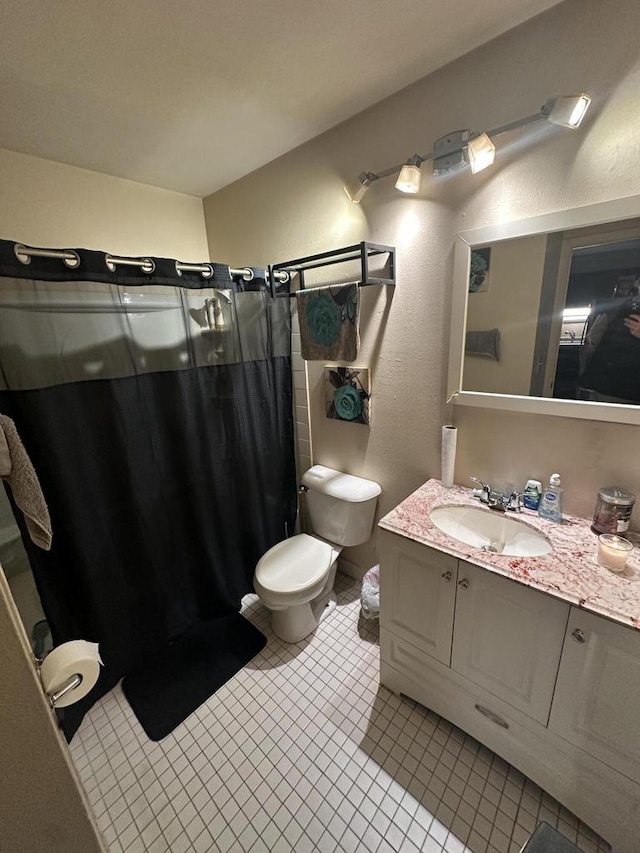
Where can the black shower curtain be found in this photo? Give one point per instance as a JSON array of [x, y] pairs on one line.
[[157, 411]]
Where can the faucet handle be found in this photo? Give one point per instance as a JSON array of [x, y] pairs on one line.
[[486, 489], [515, 502], [479, 482]]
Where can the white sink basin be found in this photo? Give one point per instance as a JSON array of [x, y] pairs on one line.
[[490, 530]]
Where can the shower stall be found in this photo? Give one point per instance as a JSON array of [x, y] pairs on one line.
[[154, 399]]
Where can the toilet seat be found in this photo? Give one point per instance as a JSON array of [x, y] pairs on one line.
[[294, 580], [294, 568]]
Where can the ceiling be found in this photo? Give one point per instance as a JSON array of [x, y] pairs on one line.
[[193, 94]]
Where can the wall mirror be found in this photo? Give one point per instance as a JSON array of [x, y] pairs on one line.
[[546, 314]]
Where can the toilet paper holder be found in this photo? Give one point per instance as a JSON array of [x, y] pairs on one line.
[[69, 672], [70, 684]]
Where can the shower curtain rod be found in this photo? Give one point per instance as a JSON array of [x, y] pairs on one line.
[[72, 260]]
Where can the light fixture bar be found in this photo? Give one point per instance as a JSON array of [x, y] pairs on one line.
[[517, 124], [451, 152], [497, 131]]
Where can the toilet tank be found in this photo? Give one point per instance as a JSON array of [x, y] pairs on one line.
[[341, 507]]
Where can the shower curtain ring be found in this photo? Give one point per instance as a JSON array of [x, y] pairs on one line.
[[68, 256], [147, 265]]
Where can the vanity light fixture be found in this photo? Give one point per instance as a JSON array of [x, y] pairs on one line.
[[568, 110], [463, 148], [356, 188], [576, 315], [410, 176], [482, 152]]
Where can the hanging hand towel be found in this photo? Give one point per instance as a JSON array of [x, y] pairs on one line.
[[483, 343], [17, 470], [329, 319]]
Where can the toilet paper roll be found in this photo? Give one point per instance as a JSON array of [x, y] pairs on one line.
[[76, 656], [449, 441]]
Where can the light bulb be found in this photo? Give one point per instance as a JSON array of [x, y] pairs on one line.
[[567, 110], [356, 188], [409, 178], [482, 152]]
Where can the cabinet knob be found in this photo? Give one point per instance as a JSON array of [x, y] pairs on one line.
[[464, 583], [578, 636], [447, 576]]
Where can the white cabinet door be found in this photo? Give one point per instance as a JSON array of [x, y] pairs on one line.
[[417, 594], [508, 639], [596, 704]]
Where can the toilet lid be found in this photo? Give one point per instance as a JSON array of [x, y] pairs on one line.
[[294, 564]]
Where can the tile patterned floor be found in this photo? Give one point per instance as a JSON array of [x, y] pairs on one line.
[[302, 751]]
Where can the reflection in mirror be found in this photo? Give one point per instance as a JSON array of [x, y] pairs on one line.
[[556, 315], [599, 354]]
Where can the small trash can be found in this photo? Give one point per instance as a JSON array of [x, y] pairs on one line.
[[370, 596]]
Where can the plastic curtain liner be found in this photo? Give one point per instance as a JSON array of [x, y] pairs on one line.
[[157, 411]]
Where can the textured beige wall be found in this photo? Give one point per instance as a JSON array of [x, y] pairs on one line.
[[295, 206], [49, 204], [43, 203]]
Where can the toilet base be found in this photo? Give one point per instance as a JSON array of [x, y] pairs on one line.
[[297, 622]]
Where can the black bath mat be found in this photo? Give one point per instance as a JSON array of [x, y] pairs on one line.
[[165, 690]]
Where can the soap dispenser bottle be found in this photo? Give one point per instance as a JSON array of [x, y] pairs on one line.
[[551, 501], [532, 494]]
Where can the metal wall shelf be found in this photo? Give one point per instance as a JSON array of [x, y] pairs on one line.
[[359, 252]]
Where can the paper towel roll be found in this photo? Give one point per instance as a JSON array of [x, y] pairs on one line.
[[449, 441], [76, 656]]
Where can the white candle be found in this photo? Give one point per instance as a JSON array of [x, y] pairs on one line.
[[613, 552]]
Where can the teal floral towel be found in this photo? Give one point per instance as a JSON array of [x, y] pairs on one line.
[[329, 318]]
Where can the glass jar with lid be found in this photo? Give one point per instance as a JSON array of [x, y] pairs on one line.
[[613, 510]]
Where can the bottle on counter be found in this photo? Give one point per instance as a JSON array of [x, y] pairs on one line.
[[532, 494], [551, 501]]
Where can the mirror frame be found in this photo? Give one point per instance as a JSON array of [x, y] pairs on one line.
[[563, 220]]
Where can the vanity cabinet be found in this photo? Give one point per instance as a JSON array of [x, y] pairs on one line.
[[497, 633], [596, 705], [508, 639], [549, 687], [420, 597]]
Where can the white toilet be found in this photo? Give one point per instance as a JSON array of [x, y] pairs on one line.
[[294, 579]]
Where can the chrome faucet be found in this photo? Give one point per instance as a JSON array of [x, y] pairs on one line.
[[514, 503], [497, 501], [485, 493]]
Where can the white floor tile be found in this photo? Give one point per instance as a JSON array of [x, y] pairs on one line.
[[303, 750]]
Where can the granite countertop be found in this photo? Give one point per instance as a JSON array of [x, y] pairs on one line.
[[570, 572]]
